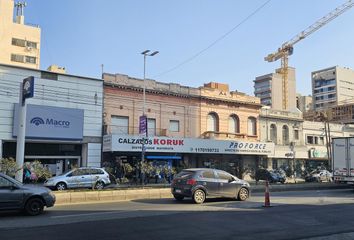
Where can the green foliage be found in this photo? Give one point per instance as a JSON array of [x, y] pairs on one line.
[[41, 172], [128, 168], [9, 166]]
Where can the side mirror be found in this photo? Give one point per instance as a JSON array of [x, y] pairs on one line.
[[231, 180]]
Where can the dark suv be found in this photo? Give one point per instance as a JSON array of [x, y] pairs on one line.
[[198, 183], [272, 177]]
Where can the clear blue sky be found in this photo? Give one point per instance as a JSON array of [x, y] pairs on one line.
[[82, 35]]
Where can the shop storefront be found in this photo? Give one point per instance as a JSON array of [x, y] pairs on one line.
[[54, 137], [232, 156]]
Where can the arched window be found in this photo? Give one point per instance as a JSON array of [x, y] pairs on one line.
[[234, 124], [285, 135], [252, 126], [273, 133], [213, 122]]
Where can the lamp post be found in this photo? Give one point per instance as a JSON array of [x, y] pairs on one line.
[[143, 127]]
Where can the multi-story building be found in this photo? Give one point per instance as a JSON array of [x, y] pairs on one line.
[[269, 88], [19, 43], [299, 144], [303, 103], [208, 126], [64, 118], [332, 87]]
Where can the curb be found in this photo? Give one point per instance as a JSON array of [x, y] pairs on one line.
[[72, 197]]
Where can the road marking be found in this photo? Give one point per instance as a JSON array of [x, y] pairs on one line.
[[89, 214]]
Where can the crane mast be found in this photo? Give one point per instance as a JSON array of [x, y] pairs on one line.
[[287, 48]]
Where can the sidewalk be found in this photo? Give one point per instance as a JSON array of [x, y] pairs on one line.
[[157, 191]]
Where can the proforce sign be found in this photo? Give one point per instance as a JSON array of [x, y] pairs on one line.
[[126, 143]]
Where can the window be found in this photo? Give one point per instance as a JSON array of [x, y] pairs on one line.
[[30, 59], [273, 133], [17, 58], [174, 126], [213, 122], [18, 42], [285, 135], [31, 44], [96, 171], [251, 126], [119, 124], [224, 176], [296, 134], [309, 140], [208, 174], [4, 183], [234, 124], [321, 141], [151, 127]]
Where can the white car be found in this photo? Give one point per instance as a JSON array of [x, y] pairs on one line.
[[84, 177], [320, 176]]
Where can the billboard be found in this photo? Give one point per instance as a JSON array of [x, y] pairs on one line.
[[46, 122], [127, 143]]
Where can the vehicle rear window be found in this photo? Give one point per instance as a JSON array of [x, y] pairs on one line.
[[185, 174]]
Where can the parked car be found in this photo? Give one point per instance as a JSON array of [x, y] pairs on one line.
[[30, 199], [319, 176], [199, 183], [84, 177], [272, 177]]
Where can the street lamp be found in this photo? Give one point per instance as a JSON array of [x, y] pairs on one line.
[[146, 53]]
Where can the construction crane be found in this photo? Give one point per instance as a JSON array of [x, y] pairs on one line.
[[287, 48]]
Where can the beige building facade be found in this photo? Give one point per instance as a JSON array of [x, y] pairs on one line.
[[332, 87], [209, 126], [19, 43], [269, 89]]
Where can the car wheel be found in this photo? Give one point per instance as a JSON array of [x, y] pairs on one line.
[[61, 186], [178, 197], [199, 196], [99, 185], [243, 194], [34, 207]]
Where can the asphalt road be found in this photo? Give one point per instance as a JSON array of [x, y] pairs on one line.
[[325, 214]]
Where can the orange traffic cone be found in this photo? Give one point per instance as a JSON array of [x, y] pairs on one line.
[[266, 196]]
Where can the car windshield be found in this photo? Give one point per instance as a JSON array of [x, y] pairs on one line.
[[15, 181], [185, 174]]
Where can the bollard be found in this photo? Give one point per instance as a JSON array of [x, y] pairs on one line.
[[266, 195]]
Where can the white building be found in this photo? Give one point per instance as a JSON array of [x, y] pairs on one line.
[[64, 118], [332, 87]]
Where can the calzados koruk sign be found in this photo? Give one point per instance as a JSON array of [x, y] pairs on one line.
[[46, 122], [126, 143]]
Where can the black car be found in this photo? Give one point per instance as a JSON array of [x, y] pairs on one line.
[[272, 177], [16, 196], [198, 183]]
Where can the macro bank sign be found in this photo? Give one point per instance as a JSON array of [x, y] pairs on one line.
[[45, 122]]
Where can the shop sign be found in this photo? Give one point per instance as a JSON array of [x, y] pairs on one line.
[[124, 143], [316, 153], [46, 122]]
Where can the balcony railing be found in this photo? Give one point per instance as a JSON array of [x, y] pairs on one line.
[[214, 134]]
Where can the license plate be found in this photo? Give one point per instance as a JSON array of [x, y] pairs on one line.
[[178, 190]]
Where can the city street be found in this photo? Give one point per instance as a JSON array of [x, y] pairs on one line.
[[325, 214]]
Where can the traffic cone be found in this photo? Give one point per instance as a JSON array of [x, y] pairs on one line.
[[266, 196]]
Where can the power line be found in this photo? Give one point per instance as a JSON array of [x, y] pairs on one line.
[[215, 42]]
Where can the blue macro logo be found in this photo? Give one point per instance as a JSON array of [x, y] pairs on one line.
[[37, 121]]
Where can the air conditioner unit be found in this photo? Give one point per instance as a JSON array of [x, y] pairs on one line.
[[29, 48]]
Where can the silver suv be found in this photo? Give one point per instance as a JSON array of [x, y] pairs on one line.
[[84, 177]]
